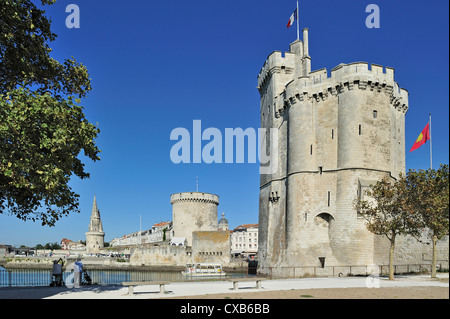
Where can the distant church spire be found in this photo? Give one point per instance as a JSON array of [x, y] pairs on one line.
[[95, 236], [96, 223]]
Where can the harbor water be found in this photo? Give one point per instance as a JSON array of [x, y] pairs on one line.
[[43, 277]]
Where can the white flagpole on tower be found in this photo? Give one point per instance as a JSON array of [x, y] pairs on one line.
[[431, 152], [298, 29]]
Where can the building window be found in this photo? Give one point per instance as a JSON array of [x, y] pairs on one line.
[[374, 114], [310, 151], [320, 170], [328, 198], [359, 129], [332, 134]]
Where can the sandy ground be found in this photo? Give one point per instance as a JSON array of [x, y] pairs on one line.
[[337, 293], [414, 292]]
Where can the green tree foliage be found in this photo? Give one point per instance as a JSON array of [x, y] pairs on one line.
[[431, 200], [413, 205], [52, 246], [387, 213], [25, 35], [42, 126]]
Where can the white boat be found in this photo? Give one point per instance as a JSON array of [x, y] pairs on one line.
[[203, 269]]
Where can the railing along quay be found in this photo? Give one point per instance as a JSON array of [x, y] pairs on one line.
[[43, 277], [354, 270]]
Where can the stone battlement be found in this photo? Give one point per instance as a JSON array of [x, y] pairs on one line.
[[355, 72], [275, 63], [194, 197], [319, 86], [319, 83]]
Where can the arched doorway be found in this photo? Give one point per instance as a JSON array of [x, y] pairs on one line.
[[322, 224]]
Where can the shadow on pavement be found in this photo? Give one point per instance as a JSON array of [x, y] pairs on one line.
[[45, 292]]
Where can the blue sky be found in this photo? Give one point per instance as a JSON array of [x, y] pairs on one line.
[[158, 65]]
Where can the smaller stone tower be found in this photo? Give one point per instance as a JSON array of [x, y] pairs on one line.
[[223, 223], [193, 211], [95, 237]]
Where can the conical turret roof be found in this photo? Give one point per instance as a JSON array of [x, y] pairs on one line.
[[96, 223]]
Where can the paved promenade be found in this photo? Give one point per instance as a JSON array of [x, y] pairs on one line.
[[180, 289]]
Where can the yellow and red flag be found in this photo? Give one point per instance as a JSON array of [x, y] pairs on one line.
[[423, 138]]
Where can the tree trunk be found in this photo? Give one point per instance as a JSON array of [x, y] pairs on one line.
[[391, 258], [434, 259]]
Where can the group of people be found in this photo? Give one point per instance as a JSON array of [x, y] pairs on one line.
[[57, 272]]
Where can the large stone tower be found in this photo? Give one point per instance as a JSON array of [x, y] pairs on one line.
[[95, 236], [338, 132], [193, 211]]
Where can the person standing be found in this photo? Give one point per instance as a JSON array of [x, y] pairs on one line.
[[78, 271], [57, 271]]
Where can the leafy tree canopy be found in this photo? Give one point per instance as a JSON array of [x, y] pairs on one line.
[[42, 126]]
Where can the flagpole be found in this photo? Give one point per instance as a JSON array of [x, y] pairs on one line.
[[298, 29], [431, 151]]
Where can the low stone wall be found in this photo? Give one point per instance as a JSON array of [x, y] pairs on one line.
[[162, 255]]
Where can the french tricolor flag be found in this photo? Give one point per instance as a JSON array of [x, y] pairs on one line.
[[292, 18]]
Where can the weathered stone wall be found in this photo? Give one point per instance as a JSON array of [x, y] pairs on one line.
[[193, 211], [94, 242], [211, 247], [409, 251], [208, 247], [159, 255]]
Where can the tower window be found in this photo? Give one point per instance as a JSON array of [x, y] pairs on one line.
[[375, 114], [320, 170], [328, 198], [332, 134], [359, 129], [310, 151]]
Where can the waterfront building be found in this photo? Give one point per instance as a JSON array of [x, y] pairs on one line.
[[244, 240]]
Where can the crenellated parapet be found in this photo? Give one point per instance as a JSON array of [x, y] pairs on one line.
[[318, 86], [275, 63], [193, 211], [194, 197]]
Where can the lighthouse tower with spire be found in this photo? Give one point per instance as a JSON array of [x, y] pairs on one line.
[[95, 236]]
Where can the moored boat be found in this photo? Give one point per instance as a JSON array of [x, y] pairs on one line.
[[203, 269]]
